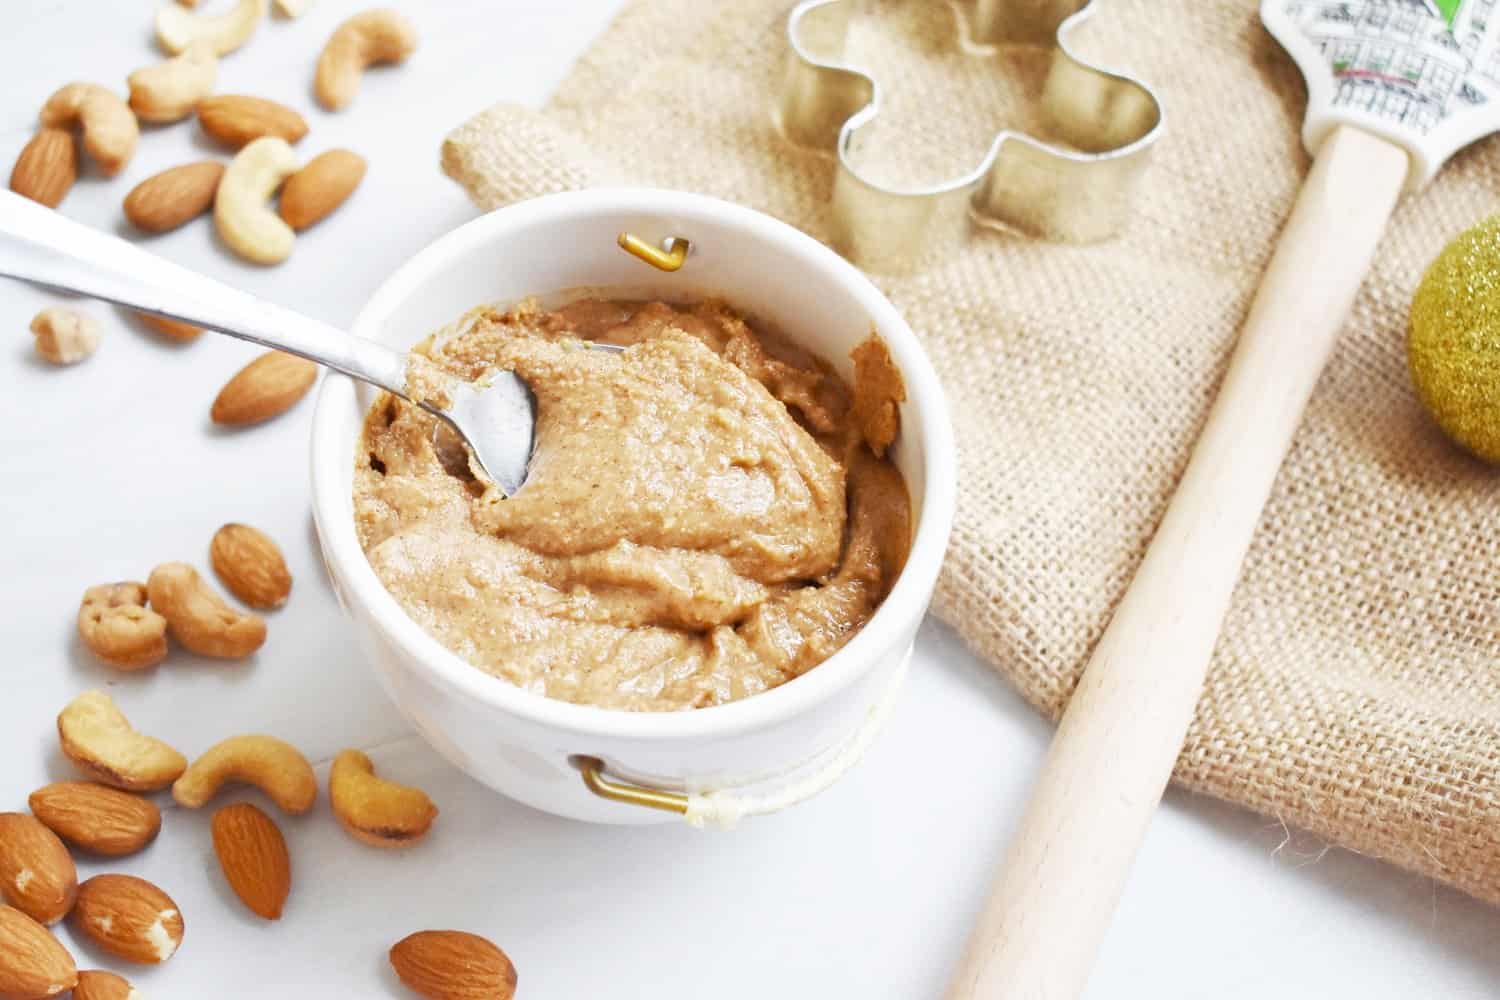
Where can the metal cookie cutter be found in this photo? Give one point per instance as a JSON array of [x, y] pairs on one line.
[[1075, 188]]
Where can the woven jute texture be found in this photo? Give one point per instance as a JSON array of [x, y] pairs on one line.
[[1356, 690]]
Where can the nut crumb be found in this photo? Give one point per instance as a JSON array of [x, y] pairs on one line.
[[65, 337]]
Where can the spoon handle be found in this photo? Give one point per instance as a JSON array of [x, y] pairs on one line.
[[44, 247]]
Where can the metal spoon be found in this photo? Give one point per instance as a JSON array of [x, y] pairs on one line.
[[496, 420]]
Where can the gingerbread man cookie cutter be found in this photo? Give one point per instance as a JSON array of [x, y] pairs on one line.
[[1075, 186]]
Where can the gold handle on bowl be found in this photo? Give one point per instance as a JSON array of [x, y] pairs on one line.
[[667, 257], [592, 769]]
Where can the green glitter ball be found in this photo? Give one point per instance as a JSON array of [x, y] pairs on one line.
[[1454, 348]]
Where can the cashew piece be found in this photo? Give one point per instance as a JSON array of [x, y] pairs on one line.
[[375, 36], [97, 737], [375, 811], [117, 627], [273, 766], [242, 212], [293, 8], [169, 91], [199, 618], [109, 127], [177, 27], [65, 337]]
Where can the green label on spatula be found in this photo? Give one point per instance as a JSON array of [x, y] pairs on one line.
[[1447, 8]]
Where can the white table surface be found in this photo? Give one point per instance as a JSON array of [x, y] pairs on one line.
[[868, 891]]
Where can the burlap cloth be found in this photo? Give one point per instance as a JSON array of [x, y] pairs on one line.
[[1356, 690]]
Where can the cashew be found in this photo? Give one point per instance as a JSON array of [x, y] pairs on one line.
[[65, 337], [198, 618], [117, 627], [109, 126], [293, 8], [97, 737], [177, 27], [169, 91], [242, 212], [375, 36], [269, 764], [375, 811]]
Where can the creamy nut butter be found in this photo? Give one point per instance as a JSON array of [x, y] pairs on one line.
[[708, 514]]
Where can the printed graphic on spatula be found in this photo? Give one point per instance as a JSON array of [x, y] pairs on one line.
[[1424, 74]]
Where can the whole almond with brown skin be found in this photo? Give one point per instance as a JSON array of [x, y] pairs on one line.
[[37, 875], [96, 984], [252, 853], [312, 193], [166, 200], [33, 964], [250, 565], [172, 329], [128, 917], [266, 387], [237, 119], [47, 167], [96, 817], [454, 965]]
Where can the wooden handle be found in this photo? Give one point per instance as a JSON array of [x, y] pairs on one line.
[[1124, 727]]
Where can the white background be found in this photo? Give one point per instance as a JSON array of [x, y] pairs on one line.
[[111, 467]]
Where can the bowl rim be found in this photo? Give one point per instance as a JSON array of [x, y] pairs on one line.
[[358, 582]]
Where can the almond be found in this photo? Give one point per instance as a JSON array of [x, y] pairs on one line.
[[96, 817], [252, 853], [312, 193], [172, 329], [33, 964], [236, 119], [128, 917], [47, 167], [166, 200], [250, 565], [454, 965], [97, 984], [265, 388], [37, 875]]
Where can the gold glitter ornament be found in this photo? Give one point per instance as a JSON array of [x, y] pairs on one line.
[[1454, 346]]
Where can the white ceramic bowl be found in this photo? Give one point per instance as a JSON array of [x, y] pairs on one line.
[[521, 743]]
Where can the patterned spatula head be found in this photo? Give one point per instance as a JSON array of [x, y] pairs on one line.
[[1424, 74]]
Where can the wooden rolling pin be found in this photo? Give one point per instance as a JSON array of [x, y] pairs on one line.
[[1124, 727]]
